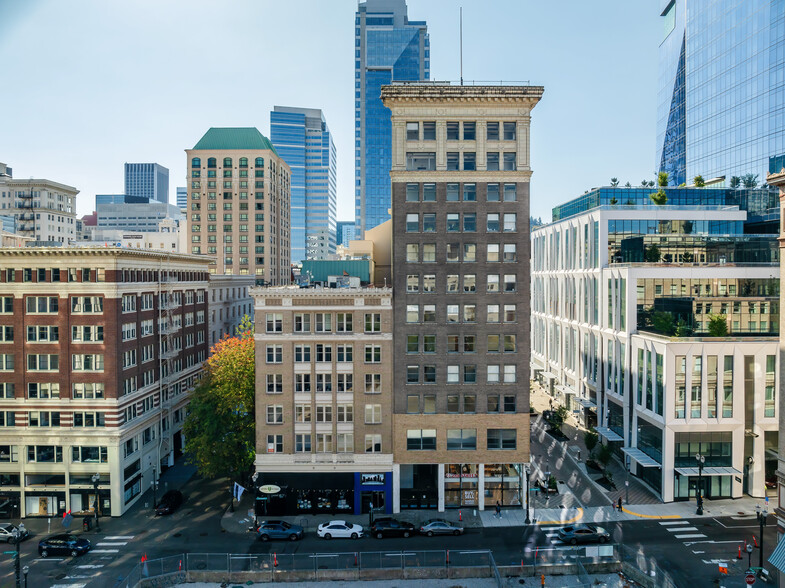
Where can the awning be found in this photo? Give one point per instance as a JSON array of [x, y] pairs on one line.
[[585, 402], [643, 459], [609, 434], [709, 471], [777, 558], [565, 389], [549, 375]]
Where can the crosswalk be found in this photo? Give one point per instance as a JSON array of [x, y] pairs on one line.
[[682, 530], [80, 574], [552, 533]]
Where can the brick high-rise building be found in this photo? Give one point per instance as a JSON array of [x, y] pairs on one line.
[[98, 350], [460, 211], [239, 205]]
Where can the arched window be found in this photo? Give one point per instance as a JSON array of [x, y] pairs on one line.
[[211, 162], [227, 162], [259, 162], [196, 162], [243, 162]]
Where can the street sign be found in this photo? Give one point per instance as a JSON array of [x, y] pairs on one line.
[[749, 578], [270, 489]]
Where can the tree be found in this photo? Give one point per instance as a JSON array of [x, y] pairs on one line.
[[718, 326], [683, 329], [613, 201], [591, 438], [220, 431], [644, 183], [662, 179], [749, 180], [662, 322], [604, 455], [614, 182], [559, 416], [735, 182], [687, 257], [660, 198], [628, 185], [699, 182], [651, 254]]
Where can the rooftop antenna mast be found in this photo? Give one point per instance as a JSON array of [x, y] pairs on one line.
[[461, 40]]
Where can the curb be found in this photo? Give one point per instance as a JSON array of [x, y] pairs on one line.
[[574, 519], [645, 516]]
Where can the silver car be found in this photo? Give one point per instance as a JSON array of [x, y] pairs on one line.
[[440, 527], [7, 532]]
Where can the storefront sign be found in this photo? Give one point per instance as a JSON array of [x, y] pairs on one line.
[[465, 476], [470, 497], [372, 479], [269, 489]]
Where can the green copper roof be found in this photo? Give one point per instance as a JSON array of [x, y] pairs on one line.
[[234, 138]]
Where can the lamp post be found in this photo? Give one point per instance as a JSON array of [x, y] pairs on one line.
[[526, 471], [761, 514], [701, 461], [154, 484], [25, 571], [96, 478], [17, 536]]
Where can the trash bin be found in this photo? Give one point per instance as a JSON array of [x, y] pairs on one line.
[[86, 524]]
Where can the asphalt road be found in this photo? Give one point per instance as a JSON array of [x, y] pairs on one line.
[[689, 549]]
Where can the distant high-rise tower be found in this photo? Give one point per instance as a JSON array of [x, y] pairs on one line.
[[147, 180], [182, 198], [303, 140], [720, 85], [387, 47]]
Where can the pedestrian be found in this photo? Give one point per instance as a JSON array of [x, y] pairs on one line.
[[542, 580], [551, 403], [498, 510], [619, 503]]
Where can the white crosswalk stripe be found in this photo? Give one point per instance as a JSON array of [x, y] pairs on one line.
[[681, 529], [118, 537], [104, 551], [667, 523], [690, 536]]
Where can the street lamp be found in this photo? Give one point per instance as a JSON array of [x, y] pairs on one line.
[[96, 478], [526, 471], [154, 485], [761, 514], [17, 537], [701, 461], [25, 571]]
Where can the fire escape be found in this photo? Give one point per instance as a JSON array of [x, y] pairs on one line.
[[169, 344], [26, 217]]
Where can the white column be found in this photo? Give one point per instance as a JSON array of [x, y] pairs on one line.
[[396, 488], [481, 486], [440, 483]]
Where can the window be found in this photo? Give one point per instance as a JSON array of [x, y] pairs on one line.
[[429, 223], [324, 413], [95, 304], [302, 443], [90, 419], [453, 222], [510, 193], [302, 413], [502, 439], [492, 282], [7, 390], [324, 322], [274, 322], [421, 439], [469, 222], [44, 453], [492, 313], [88, 390], [429, 192], [469, 375], [493, 374], [421, 161], [302, 383], [429, 131], [412, 131], [492, 252], [344, 353], [469, 313], [453, 131], [42, 362], [274, 354], [87, 454], [453, 192], [509, 374], [274, 414], [470, 192], [493, 403], [510, 313], [47, 334], [461, 439], [373, 354], [509, 282], [429, 344], [492, 222], [492, 131], [413, 283], [509, 403], [412, 374], [510, 222], [37, 304], [7, 305], [128, 303], [373, 443], [469, 161], [429, 283], [274, 443], [510, 253], [275, 383], [453, 251], [302, 353], [412, 223], [510, 162], [452, 374], [43, 390], [469, 283], [412, 313], [7, 418], [429, 374], [302, 323], [324, 353], [429, 252], [509, 131], [324, 442], [493, 193], [412, 192], [343, 322], [373, 383], [412, 252], [492, 161], [453, 159]]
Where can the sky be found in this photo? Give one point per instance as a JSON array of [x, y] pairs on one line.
[[91, 84]]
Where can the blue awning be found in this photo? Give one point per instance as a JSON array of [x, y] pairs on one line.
[[777, 558], [709, 471], [643, 459], [609, 434]]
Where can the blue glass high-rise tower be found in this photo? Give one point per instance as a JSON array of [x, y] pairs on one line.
[[303, 140], [721, 105], [387, 47], [147, 180]]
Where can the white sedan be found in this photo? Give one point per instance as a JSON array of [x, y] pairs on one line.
[[339, 529]]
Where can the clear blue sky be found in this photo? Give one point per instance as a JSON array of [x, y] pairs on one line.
[[91, 84]]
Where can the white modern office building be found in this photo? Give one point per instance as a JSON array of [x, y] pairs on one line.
[[659, 326]]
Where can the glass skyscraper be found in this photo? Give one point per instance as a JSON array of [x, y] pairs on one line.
[[387, 46], [721, 98], [303, 140], [147, 180]]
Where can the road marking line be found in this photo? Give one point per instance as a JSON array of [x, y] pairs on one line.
[[690, 536], [688, 543], [665, 523], [75, 577], [119, 537], [110, 544], [697, 552], [551, 534], [674, 529], [104, 551], [90, 566], [574, 519], [68, 585], [49, 559]]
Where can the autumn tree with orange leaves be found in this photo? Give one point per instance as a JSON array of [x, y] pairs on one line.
[[220, 433]]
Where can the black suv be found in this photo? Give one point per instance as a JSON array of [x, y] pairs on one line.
[[391, 528], [170, 502]]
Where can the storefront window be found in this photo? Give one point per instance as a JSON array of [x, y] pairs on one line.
[[460, 485], [502, 484]]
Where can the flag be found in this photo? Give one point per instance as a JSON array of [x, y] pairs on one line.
[[67, 518], [237, 491]]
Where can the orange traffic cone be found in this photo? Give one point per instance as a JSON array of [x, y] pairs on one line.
[[460, 515], [755, 540], [275, 560], [448, 557], [355, 559], [739, 556]]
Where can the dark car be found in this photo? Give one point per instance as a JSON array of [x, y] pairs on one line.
[[65, 544], [170, 502], [386, 527], [279, 530], [574, 534], [440, 527]]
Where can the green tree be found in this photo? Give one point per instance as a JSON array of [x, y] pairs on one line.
[[662, 179], [699, 182], [735, 182], [683, 329], [613, 201], [687, 257], [651, 254], [662, 321], [628, 185], [220, 431], [749, 180], [591, 438], [604, 455], [614, 182], [718, 326], [660, 198]]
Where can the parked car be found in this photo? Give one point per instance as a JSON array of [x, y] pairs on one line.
[[387, 527], [339, 529], [7, 532], [279, 530], [65, 544], [574, 534], [440, 527], [548, 488], [170, 502]]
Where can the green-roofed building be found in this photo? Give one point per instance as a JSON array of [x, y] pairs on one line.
[[239, 204]]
